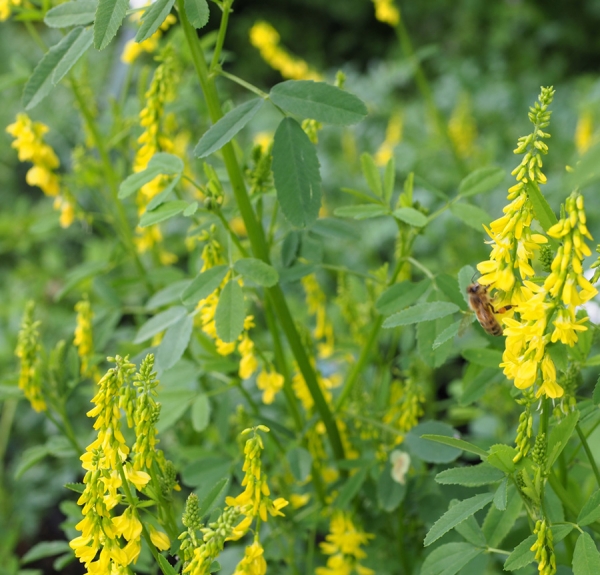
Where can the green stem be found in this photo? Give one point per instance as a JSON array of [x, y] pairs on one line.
[[588, 452], [365, 352], [427, 93], [243, 83], [226, 8], [256, 236], [282, 367], [6, 420], [132, 503]]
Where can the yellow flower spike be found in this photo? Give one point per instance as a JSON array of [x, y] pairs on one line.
[[387, 12]]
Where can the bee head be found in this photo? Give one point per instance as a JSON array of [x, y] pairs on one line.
[[474, 288]]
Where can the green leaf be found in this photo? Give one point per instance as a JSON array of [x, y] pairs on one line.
[[498, 523], [230, 314], [211, 500], [197, 12], [29, 458], [470, 530], [165, 566], [159, 323], [109, 17], [296, 174], [472, 476], [76, 487], [448, 285], [361, 196], [201, 413], [204, 284], [501, 495], [471, 215], [596, 394], [481, 181], [77, 13], [542, 210], [427, 333], [173, 404], [159, 164], [418, 445], [227, 127], [586, 559], [174, 343], [257, 271], [421, 312], [351, 488], [455, 515], [167, 295], [390, 493], [483, 356], [152, 18], [300, 461], [411, 217], [559, 436], [361, 211], [319, 101], [449, 559], [371, 173], [55, 64], [162, 213], [45, 549], [501, 456], [590, 512], [458, 443], [522, 555], [400, 295], [465, 279], [451, 331], [389, 179]]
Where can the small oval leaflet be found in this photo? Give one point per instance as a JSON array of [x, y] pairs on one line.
[[318, 101], [257, 271], [230, 313]]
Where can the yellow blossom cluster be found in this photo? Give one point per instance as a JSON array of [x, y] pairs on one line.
[[552, 304], [253, 503], [109, 542], [387, 12], [6, 8], [584, 131], [264, 37], [83, 337], [344, 544], [512, 238], [133, 49], [462, 128], [212, 256], [29, 142], [28, 346], [325, 383], [152, 140], [406, 406], [315, 302], [544, 548], [393, 136]]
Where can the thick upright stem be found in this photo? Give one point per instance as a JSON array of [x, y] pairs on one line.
[[257, 237]]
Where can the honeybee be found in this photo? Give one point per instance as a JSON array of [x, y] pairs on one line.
[[479, 302]]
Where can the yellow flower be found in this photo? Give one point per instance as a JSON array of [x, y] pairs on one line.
[[253, 562], [584, 131], [27, 350], [344, 545], [393, 135], [159, 539], [270, 383], [83, 336], [264, 37], [315, 301], [387, 12], [462, 128]]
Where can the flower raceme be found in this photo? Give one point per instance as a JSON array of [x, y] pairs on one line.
[[548, 314]]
